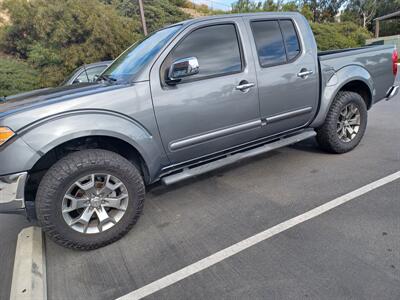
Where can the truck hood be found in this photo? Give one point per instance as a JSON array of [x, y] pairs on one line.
[[42, 97]]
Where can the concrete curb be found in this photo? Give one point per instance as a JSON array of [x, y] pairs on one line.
[[29, 274]]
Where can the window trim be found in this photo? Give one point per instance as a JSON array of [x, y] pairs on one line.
[[288, 61], [189, 80], [79, 75], [284, 40]]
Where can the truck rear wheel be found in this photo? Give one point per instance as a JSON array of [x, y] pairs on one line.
[[345, 123], [89, 199]]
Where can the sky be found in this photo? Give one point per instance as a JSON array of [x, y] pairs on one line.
[[218, 4]]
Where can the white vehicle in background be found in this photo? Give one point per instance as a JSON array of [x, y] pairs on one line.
[[87, 73], [83, 74]]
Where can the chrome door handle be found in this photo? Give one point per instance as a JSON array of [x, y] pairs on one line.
[[304, 73], [245, 86]]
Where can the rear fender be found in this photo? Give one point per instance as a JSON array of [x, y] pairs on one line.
[[331, 86]]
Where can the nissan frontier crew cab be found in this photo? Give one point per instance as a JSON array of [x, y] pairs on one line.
[[188, 99]]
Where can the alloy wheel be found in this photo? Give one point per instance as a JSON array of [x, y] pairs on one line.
[[348, 123], [95, 203]]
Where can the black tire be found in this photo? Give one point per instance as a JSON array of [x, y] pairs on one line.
[[58, 178], [327, 135]]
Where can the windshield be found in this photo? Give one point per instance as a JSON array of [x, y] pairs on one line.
[[70, 76], [139, 54]]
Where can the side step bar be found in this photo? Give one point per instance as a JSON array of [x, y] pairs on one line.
[[191, 172]]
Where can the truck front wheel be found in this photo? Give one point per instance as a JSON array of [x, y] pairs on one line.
[[345, 123], [89, 199]]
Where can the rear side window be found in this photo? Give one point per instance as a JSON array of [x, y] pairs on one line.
[[291, 39], [276, 41], [269, 43], [216, 48]]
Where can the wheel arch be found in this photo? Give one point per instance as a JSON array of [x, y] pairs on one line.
[[56, 137], [353, 78], [361, 88], [104, 142]]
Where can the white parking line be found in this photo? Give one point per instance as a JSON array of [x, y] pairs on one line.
[[253, 240]]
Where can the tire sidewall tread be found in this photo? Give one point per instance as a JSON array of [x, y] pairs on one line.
[[74, 165], [327, 136]]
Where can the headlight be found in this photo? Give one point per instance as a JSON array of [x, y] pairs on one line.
[[5, 134]]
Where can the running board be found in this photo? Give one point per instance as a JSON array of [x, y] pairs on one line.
[[191, 172]]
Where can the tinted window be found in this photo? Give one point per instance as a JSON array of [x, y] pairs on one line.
[[216, 48], [291, 39], [269, 43]]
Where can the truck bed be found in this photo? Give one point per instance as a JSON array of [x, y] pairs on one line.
[[376, 60], [336, 51]]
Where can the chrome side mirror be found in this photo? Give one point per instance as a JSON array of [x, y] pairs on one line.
[[183, 68]]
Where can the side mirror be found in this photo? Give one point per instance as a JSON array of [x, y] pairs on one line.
[[183, 68]]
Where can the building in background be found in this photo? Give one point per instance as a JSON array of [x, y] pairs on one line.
[[389, 40]]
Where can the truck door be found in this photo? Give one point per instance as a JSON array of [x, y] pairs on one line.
[[287, 73], [218, 107]]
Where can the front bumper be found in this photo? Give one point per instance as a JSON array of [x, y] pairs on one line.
[[12, 188], [393, 91]]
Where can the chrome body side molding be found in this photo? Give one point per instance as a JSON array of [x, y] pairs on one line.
[[176, 145], [289, 114]]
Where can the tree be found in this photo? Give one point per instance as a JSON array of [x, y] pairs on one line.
[[158, 13], [247, 6], [58, 36], [307, 12], [270, 5], [323, 10], [290, 6], [364, 9]]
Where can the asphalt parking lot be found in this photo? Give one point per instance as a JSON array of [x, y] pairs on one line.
[[350, 252], [10, 226]]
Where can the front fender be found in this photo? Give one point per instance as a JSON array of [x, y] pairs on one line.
[[16, 157], [47, 134], [332, 85]]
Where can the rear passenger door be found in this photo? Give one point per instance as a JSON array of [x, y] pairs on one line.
[[287, 74], [208, 112]]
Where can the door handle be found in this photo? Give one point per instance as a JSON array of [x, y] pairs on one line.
[[304, 73], [244, 86]]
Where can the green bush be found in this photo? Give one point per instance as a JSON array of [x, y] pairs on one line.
[[180, 3], [58, 36], [339, 35], [16, 76]]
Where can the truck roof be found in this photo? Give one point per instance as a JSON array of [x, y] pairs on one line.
[[257, 14]]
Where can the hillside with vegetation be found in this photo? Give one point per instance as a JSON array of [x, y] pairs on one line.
[[44, 40]]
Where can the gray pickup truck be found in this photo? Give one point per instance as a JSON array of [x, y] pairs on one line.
[[188, 99]]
